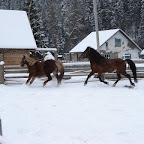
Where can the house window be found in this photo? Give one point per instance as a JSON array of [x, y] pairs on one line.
[[128, 44], [107, 56], [106, 44], [117, 42], [127, 56]]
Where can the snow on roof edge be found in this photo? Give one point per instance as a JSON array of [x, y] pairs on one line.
[[39, 49], [46, 49], [17, 48]]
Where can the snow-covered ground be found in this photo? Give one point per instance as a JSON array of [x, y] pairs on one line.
[[72, 113]]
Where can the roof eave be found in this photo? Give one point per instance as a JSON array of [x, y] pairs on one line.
[[19, 48]]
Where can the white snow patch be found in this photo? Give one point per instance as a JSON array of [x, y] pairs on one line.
[[49, 56], [72, 113], [2, 63]]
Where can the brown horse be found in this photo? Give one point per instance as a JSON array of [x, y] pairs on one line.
[[44, 68], [101, 65]]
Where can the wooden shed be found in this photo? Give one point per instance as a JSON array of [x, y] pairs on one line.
[[13, 56], [16, 37]]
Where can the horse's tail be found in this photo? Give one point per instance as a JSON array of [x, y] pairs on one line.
[[61, 70], [133, 68]]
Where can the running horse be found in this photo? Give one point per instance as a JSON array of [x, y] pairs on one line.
[[101, 65], [44, 68]]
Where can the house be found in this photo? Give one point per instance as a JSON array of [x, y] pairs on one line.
[[114, 43], [16, 37]]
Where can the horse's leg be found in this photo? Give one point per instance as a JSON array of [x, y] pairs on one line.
[[30, 76], [91, 73], [101, 79], [49, 78], [118, 78], [129, 77], [33, 78], [56, 75]]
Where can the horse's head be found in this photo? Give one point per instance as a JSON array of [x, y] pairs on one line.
[[86, 53], [26, 60], [23, 61]]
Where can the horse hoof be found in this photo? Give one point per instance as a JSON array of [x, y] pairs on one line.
[[58, 84], [85, 83], [114, 85], [106, 83], [133, 84]]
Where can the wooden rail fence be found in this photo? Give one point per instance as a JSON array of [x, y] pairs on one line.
[[0, 127]]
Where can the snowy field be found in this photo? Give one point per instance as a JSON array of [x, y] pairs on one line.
[[72, 113]]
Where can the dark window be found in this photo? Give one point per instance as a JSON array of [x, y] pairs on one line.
[[117, 42], [127, 56], [106, 44], [128, 44], [107, 56]]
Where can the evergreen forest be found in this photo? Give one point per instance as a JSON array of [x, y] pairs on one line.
[[64, 23]]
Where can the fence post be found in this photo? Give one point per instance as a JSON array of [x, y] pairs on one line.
[[1, 69], [0, 127], [55, 55]]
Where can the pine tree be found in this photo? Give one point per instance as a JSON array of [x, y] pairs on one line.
[[105, 12], [119, 15], [35, 21], [133, 21], [72, 21]]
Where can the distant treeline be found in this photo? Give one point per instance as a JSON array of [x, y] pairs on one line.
[[64, 23]]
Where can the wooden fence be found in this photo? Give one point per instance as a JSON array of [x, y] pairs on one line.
[[0, 127], [1, 74], [1, 69]]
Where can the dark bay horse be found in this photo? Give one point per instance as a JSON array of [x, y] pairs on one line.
[[44, 68], [101, 65]]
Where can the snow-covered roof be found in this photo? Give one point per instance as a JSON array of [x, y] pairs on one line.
[[15, 30], [142, 53], [46, 49], [90, 40]]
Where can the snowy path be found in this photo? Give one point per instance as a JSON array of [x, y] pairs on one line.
[[72, 113]]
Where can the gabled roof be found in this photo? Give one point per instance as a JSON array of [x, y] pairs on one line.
[[15, 30], [104, 36]]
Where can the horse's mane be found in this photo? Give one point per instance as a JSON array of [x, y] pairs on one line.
[[31, 61], [95, 56]]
